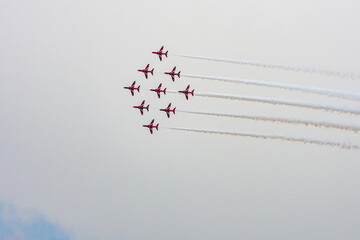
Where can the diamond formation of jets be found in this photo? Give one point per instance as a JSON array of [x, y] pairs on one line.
[[186, 92], [151, 126], [173, 73], [146, 71], [141, 107], [160, 53], [168, 110], [132, 88], [158, 90]]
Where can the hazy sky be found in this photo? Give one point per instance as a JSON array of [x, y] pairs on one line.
[[73, 150], [20, 224]]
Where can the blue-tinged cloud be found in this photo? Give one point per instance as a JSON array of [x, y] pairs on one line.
[[19, 224]]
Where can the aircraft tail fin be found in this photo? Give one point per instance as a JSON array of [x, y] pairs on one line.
[[157, 127], [174, 110], [192, 92], [147, 108], [152, 72], [179, 74], [164, 91], [166, 53], [138, 88]]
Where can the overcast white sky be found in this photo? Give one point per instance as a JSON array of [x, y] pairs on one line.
[[72, 147]]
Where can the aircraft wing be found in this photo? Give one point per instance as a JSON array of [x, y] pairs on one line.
[[146, 75], [162, 47], [172, 76], [142, 104], [187, 98], [158, 93], [168, 114], [147, 67], [187, 88], [151, 131], [152, 122], [141, 110], [160, 57], [132, 92]]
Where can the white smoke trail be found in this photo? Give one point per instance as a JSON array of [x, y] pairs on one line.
[[270, 136], [341, 109], [279, 120], [321, 91], [277, 65]]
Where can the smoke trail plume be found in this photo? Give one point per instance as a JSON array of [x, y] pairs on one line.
[[277, 65], [340, 109], [271, 136], [321, 91], [278, 120]]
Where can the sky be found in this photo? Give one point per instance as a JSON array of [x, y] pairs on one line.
[[72, 149], [16, 223]]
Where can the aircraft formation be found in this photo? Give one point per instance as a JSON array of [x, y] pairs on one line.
[[142, 107], [161, 91]]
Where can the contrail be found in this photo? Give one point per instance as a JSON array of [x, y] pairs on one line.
[[279, 120], [270, 136], [321, 91], [277, 65], [341, 109]]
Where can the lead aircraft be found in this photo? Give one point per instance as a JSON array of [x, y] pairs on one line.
[[132, 88]]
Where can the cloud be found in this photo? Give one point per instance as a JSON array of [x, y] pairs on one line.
[[20, 224]]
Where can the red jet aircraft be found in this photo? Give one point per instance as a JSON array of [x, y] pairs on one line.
[[158, 90], [168, 110], [186, 92], [132, 88], [173, 73], [151, 126], [146, 71], [160, 53], [141, 107]]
